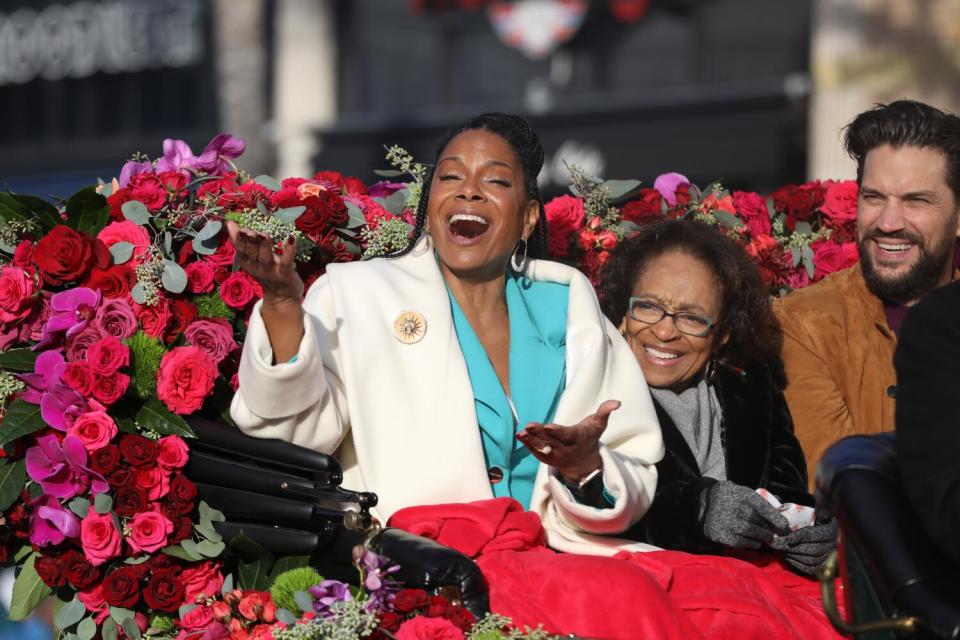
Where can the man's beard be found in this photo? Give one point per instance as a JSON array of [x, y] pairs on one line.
[[919, 279]]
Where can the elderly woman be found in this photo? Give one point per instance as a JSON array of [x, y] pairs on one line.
[[462, 368], [698, 318]]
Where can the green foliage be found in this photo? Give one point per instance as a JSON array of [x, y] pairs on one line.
[[161, 623], [289, 582], [21, 419], [211, 305], [389, 234], [145, 356], [28, 590]]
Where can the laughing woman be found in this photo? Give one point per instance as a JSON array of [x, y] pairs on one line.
[[462, 368], [698, 318]]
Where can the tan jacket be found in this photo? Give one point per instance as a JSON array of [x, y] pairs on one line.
[[838, 353]]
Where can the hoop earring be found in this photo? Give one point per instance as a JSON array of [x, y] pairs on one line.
[[518, 266]]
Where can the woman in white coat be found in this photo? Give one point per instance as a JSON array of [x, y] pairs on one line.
[[461, 368]]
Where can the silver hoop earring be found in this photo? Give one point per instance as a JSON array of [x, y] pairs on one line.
[[518, 266]]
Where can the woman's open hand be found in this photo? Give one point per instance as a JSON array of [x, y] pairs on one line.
[[575, 450], [275, 273]]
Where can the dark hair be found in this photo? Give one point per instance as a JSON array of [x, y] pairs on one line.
[[525, 143], [746, 316], [906, 123]]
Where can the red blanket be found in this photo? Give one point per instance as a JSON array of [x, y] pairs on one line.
[[660, 594]]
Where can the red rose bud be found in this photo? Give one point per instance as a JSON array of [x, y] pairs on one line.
[[607, 240], [105, 460], [129, 501], [409, 600], [594, 223], [586, 239], [438, 607], [122, 477]]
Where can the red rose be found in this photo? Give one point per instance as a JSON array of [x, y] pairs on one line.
[[116, 201], [227, 183], [121, 587], [182, 489], [245, 196], [185, 379], [330, 179], [164, 592], [184, 312], [49, 571], [829, 257], [138, 450], [239, 289], [840, 202], [182, 529], [128, 501], [421, 628], [564, 218], [437, 607], [390, 621], [409, 600], [155, 318], [109, 389], [647, 207], [108, 355], [80, 376], [78, 570], [199, 277], [105, 460], [23, 254], [460, 617], [752, 209], [223, 256], [324, 208], [64, 255], [173, 453], [122, 477], [113, 282], [154, 481], [147, 188], [354, 186], [770, 258], [799, 202]]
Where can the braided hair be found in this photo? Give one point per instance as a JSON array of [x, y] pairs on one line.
[[524, 142]]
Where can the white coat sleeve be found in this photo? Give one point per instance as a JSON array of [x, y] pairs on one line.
[[302, 401]]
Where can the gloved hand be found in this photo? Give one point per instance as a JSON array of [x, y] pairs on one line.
[[735, 516], [807, 549]]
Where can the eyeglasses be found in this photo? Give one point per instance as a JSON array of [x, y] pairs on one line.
[[651, 313]]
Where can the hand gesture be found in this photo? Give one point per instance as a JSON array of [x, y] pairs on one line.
[[275, 273], [575, 450], [736, 516], [807, 548]]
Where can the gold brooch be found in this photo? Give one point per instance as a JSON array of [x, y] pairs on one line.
[[409, 327]]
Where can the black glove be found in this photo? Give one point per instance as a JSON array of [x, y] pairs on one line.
[[735, 516], [806, 549]]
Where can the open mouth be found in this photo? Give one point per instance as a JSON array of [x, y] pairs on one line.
[[894, 252], [467, 227], [660, 356]]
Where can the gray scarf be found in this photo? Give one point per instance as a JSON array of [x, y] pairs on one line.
[[696, 413]]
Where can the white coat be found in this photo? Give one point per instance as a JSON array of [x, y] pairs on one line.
[[401, 419]]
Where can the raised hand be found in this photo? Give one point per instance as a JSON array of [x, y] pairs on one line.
[[275, 273], [574, 451]]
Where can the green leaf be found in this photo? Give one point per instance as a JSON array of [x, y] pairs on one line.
[[304, 600], [137, 293], [136, 212], [28, 590], [25, 550], [173, 278], [286, 617], [108, 630], [34, 208], [254, 575], [103, 503], [18, 359], [290, 214], [247, 548], [130, 627], [626, 228], [804, 227], [119, 614], [13, 477], [80, 506], [121, 252], [288, 563], [153, 415], [395, 202], [621, 189], [69, 614], [211, 229], [807, 255], [176, 551], [22, 419], [354, 216], [727, 219], [136, 561], [210, 549], [795, 257], [204, 247], [207, 531], [269, 182], [190, 548], [87, 211], [87, 629], [227, 584], [388, 173], [185, 609], [209, 514]]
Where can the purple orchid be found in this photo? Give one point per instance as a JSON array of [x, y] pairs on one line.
[[60, 468], [384, 188], [50, 523], [375, 570], [132, 168], [47, 371], [61, 405], [177, 156], [667, 184], [327, 594], [70, 311], [216, 156]]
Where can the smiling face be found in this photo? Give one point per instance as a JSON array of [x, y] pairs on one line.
[[907, 222], [677, 282], [478, 208]]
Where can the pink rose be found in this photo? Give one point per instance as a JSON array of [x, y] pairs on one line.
[[201, 580], [79, 343], [95, 429], [155, 318], [840, 202], [149, 531], [153, 480], [115, 318], [185, 379], [99, 537], [127, 231], [423, 628], [92, 599], [752, 209], [107, 356], [18, 293], [564, 218], [199, 277], [214, 336], [198, 619], [173, 453], [239, 289], [109, 389], [829, 257]]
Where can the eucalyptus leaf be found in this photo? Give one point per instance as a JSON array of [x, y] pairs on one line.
[[173, 278], [13, 477], [87, 629], [290, 214], [138, 294], [210, 549], [135, 211], [227, 584], [177, 551], [69, 614], [119, 614], [209, 514], [80, 506], [304, 600], [136, 561], [269, 182], [106, 188], [795, 257], [388, 173], [102, 503], [185, 609], [108, 630], [395, 202], [190, 547], [18, 359], [727, 219], [207, 531], [355, 217], [804, 227], [621, 189], [211, 229], [285, 616], [21, 419], [153, 415], [204, 247], [131, 629], [167, 243], [121, 252], [28, 590]]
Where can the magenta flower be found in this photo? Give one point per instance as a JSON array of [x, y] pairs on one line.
[[47, 371], [70, 311], [216, 156], [50, 523], [384, 189], [667, 184], [61, 468], [177, 156], [61, 405], [132, 168]]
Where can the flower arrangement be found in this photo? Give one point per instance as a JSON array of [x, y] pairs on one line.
[[797, 235]]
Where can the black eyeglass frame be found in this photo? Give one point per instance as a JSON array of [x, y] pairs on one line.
[[711, 323]]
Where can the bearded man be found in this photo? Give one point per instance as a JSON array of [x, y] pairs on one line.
[[840, 334]]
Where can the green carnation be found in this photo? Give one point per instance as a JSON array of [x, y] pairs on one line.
[[289, 582], [145, 356], [211, 305]]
